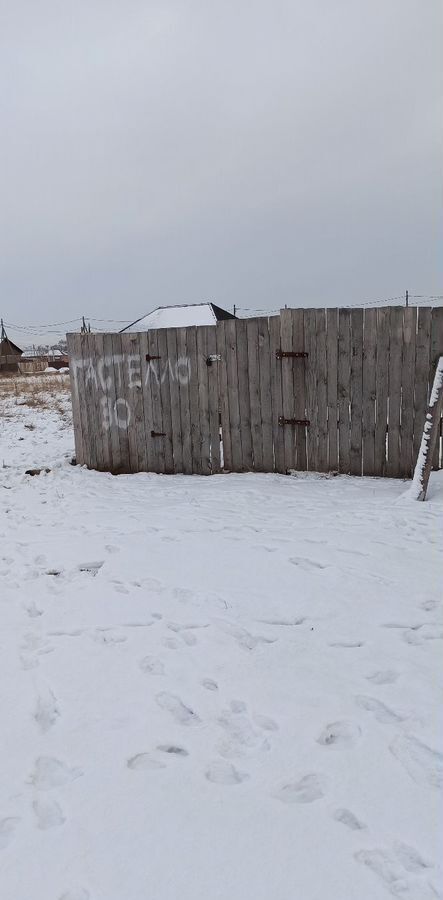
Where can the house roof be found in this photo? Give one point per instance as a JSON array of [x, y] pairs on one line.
[[180, 316], [7, 343]]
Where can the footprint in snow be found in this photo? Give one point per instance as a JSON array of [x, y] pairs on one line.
[[50, 772], [46, 711], [220, 772], [309, 788], [241, 737], [182, 714], [152, 666], [382, 713], [308, 565], [346, 817], [91, 567], [423, 764], [48, 813], [391, 869], [144, 761], [386, 676], [173, 749], [7, 829], [348, 645], [209, 684], [340, 734]]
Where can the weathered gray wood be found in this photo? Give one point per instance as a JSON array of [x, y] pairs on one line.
[[332, 375], [156, 431], [322, 404], [276, 391], [395, 363], [265, 394], [436, 351], [287, 381], [368, 397], [165, 398], [254, 394], [194, 411], [241, 338], [184, 374], [344, 389], [422, 372], [233, 398], [299, 432], [213, 400], [430, 435], [224, 402], [129, 344], [381, 390], [74, 353], [407, 392], [356, 391], [96, 342], [203, 399], [90, 382], [108, 404], [174, 390], [120, 412], [311, 388]]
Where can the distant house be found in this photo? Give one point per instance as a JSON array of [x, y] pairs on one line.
[[180, 316], [10, 354]]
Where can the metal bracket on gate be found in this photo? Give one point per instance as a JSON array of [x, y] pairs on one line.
[[286, 354], [215, 357], [283, 421], [158, 433], [149, 357]]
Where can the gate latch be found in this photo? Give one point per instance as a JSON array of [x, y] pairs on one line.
[[286, 354], [158, 434], [283, 421]]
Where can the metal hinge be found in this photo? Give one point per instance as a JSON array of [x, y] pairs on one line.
[[215, 357], [158, 433], [285, 354], [149, 357], [283, 421]]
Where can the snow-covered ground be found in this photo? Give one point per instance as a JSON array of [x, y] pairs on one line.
[[221, 688]]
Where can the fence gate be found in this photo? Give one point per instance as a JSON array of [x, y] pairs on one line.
[[310, 389]]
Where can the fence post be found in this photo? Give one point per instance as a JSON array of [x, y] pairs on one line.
[[430, 432]]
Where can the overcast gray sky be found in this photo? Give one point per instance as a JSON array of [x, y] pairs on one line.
[[256, 153]]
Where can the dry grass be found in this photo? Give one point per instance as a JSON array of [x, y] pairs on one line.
[[37, 391]]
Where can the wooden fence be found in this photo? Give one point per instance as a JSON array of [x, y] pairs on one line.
[[322, 390]]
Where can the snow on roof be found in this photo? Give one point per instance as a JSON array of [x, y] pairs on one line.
[[179, 317]]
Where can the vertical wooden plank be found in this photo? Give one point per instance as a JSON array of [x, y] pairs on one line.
[[368, 397], [95, 398], [136, 398], [87, 379], [356, 391], [183, 375], [407, 392], [233, 398], [108, 404], [322, 405], [299, 367], [156, 436], [243, 393], [332, 373], [276, 391], [194, 406], [265, 394], [213, 400], [102, 404], [344, 390], [174, 394], [287, 381], [121, 411], [311, 388], [224, 402], [394, 402], [128, 343], [203, 399], [74, 354], [381, 390], [254, 394], [436, 352], [422, 370], [165, 400]]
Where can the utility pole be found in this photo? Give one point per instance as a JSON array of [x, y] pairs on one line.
[[234, 308], [407, 298], [3, 332]]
